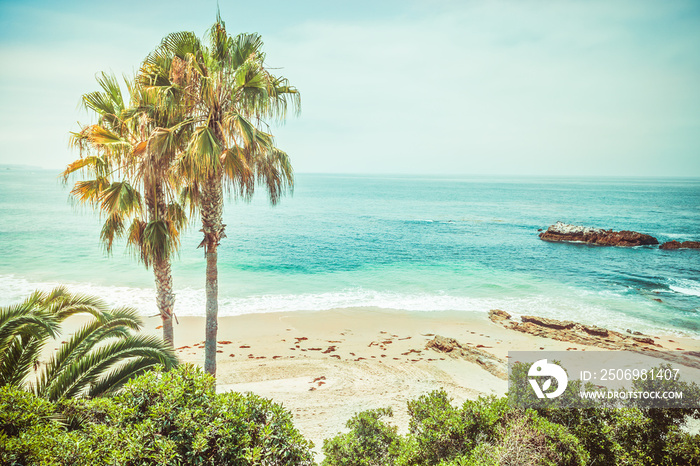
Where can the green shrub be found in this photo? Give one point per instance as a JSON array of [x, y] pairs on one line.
[[32, 432], [683, 448], [486, 431], [636, 435], [369, 442], [20, 410], [177, 418], [160, 418], [438, 429]]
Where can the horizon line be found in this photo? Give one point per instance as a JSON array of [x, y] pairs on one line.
[[424, 175]]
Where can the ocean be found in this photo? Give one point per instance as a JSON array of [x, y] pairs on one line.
[[415, 243]]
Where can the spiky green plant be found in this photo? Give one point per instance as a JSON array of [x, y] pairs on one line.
[[229, 94], [96, 360]]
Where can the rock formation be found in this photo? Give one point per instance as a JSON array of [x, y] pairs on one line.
[[678, 245], [572, 332], [574, 233], [590, 335], [454, 349]]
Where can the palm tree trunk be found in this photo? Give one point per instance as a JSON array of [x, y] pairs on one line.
[[165, 297], [213, 229], [161, 267], [212, 312]]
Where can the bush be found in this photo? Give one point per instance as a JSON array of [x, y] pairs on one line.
[[176, 418], [369, 442], [486, 431], [491, 432], [163, 418], [641, 434], [33, 432]]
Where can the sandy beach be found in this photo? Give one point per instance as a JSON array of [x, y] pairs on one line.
[[324, 366]]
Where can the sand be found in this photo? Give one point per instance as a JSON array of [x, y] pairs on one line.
[[324, 366]]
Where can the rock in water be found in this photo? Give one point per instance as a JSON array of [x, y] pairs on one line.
[[562, 232], [678, 245]]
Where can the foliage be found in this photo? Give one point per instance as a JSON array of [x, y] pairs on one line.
[[127, 157], [623, 435], [370, 441], [97, 359], [164, 418], [176, 417], [127, 160], [229, 96], [492, 432], [29, 430], [485, 431]]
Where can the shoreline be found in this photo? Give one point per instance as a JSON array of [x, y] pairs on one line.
[[325, 366]]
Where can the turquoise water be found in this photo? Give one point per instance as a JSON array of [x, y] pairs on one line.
[[413, 243]]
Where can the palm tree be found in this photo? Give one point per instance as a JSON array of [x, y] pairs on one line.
[[136, 144], [230, 93], [97, 360]]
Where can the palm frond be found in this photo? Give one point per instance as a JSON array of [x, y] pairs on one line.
[[176, 216], [180, 44], [158, 244], [134, 237], [236, 166], [220, 43], [19, 358], [101, 136], [191, 197], [112, 228], [274, 171], [114, 324], [120, 198], [86, 371], [203, 151], [90, 191], [25, 319], [239, 128], [99, 103], [111, 383], [244, 48], [96, 163], [110, 86], [62, 304]]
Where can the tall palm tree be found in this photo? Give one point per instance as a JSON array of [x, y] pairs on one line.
[[230, 94], [98, 359], [129, 154]]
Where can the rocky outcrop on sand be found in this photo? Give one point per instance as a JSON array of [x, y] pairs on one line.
[[562, 232], [681, 245], [591, 335], [454, 349], [573, 332]]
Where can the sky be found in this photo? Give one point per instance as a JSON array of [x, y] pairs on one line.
[[441, 87]]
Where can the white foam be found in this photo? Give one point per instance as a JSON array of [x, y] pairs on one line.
[[579, 306], [673, 235], [685, 291], [685, 286], [15, 289]]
